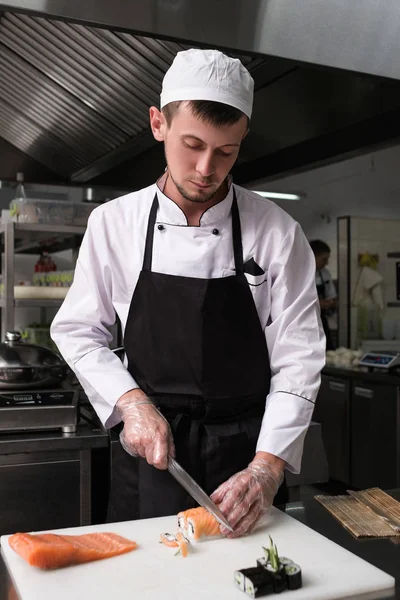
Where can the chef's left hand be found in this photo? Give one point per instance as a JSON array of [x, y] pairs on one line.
[[249, 494]]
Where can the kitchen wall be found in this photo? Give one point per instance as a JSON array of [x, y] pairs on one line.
[[377, 237], [366, 186]]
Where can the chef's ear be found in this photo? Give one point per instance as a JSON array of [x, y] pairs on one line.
[[158, 124]]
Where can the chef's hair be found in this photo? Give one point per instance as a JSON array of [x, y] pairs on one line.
[[212, 112], [319, 247]]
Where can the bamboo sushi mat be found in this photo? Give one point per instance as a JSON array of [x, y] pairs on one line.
[[358, 518]]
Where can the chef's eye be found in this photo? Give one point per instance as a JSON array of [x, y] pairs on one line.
[[221, 153], [190, 146]]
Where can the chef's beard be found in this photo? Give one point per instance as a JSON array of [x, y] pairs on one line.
[[192, 196]]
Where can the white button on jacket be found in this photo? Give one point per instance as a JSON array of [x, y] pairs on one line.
[[281, 276]]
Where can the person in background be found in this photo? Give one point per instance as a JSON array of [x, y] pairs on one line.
[[325, 287], [214, 287]]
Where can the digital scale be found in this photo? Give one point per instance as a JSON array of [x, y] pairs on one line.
[[387, 360], [39, 410]]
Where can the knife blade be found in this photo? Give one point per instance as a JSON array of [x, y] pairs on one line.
[[388, 520], [196, 491]]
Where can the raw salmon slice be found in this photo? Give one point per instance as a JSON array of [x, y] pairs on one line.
[[183, 544], [169, 540], [52, 551]]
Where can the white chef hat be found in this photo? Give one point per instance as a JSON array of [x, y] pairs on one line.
[[208, 75]]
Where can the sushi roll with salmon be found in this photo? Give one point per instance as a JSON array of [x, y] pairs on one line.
[[198, 523]]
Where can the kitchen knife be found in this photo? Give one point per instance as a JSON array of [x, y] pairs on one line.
[[378, 511], [195, 491]]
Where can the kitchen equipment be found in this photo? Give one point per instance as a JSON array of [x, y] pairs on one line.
[[356, 517], [388, 360], [195, 491], [35, 410], [377, 508], [153, 571], [29, 366]]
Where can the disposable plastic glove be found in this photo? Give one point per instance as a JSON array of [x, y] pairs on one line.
[[146, 432], [248, 495]]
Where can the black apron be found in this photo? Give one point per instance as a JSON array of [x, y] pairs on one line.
[[321, 291], [197, 348]]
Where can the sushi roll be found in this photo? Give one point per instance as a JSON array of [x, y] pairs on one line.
[[255, 582], [262, 562], [240, 579], [293, 576], [276, 568], [197, 523], [284, 561], [278, 577]]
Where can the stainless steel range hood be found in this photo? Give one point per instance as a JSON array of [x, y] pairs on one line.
[[77, 78], [338, 34]]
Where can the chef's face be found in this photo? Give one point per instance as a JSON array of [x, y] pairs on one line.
[[199, 155], [322, 260]]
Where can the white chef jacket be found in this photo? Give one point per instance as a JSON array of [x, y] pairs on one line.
[[107, 270]]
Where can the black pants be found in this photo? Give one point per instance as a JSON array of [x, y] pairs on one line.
[[210, 444]]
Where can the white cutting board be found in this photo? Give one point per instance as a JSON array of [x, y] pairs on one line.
[[154, 572]]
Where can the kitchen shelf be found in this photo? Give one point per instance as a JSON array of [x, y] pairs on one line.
[[38, 228], [32, 238], [33, 303], [393, 304], [393, 255]]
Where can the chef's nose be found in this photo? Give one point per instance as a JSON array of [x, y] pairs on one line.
[[205, 164]]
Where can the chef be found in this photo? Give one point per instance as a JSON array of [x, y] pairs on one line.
[[215, 291], [326, 289]]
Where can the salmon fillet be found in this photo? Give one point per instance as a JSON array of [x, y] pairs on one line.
[[52, 551]]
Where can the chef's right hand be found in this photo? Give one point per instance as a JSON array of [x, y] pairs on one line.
[[146, 432]]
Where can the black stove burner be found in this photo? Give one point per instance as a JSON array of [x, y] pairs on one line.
[[31, 410]]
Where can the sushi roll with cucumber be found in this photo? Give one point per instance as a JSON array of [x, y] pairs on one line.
[[273, 574], [262, 562], [293, 576], [254, 581], [284, 560], [276, 568]]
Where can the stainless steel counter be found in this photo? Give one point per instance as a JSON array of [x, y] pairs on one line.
[[46, 478], [383, 376]]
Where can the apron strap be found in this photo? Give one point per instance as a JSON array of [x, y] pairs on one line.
[[148, 249], [236, 236]]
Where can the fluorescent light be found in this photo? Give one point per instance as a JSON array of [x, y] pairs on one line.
[[277, 195]]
